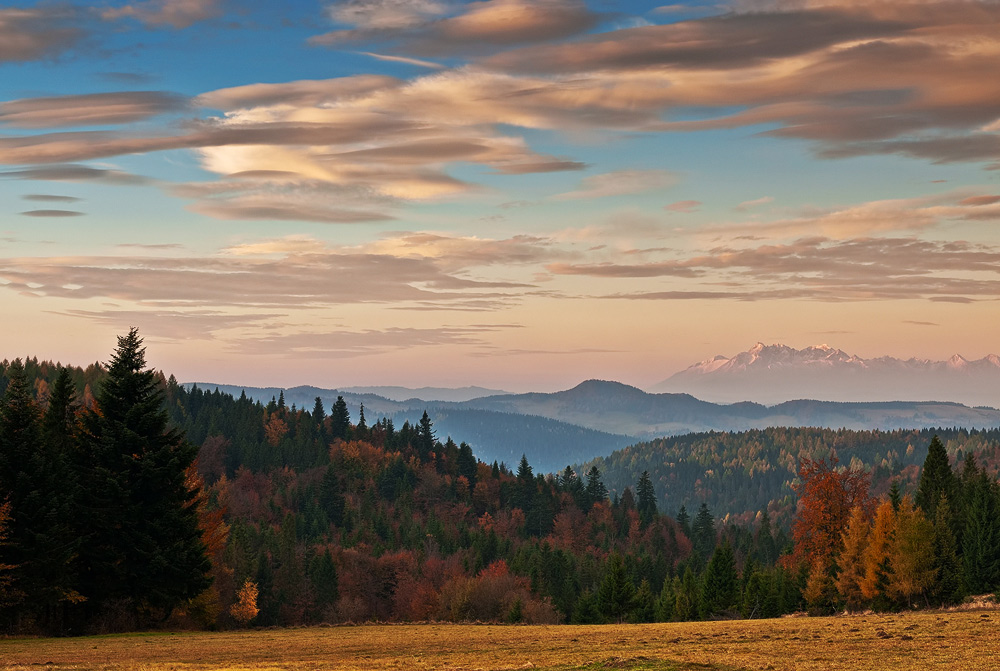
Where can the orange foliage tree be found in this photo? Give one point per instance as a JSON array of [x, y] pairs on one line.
[[826, 498]]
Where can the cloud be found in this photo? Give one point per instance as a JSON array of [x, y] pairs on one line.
[[920, 323], [40, 32], [302, 93], [425, 27], [291, 273], [880, 216], [76, 173], [750, 204], [174, 324], [817, 268], [52, 213], [621, 183], [345, 344], [90, 109], [386, 14], [403, 59], [256, 208], [684, 206], [47, 198], [174, 13]]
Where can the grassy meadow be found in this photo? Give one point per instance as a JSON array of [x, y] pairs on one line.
[[965, 640]]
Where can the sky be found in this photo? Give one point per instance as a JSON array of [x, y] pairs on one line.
[[508, 193]]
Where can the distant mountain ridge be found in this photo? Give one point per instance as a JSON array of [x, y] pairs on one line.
[[597, 417], [777, 373]]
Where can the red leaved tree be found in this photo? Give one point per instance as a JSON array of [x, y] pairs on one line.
[[826, 497]]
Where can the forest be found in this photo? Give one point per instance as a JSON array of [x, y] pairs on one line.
[[130, 502]]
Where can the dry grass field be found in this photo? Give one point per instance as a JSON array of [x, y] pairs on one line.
[[936, 640]]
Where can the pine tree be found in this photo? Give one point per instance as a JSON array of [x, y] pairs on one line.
[[645, 604], [425, 437], [596, 491], [948, 588], [142, 545], [667, 599], [616, 595], [688, 597], [684, 521], [340, 419], [936, 478], [35, 477], [647, 498], [720, 583], [703, 533], [981, 538]]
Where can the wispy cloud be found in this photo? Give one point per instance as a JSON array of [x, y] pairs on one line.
[[90, 109], [39, 32], [174, 13], [621, 183], [56, 214]]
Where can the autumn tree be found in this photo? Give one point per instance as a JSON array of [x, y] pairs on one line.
[[851, 561], [826, 498], [878, 557], [912, 560], [245, 608]]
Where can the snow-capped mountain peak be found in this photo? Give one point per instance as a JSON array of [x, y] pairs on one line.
[[774, 373]]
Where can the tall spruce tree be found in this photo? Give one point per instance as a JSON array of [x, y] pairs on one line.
[[721, 582], [703, 533], [142, 553], [340, 419], [647, 498], [616, 595], [981, 537], [936, 479], [35, 477]]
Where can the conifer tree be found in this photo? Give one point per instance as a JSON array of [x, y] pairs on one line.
[[912, 559], [875, 585], [851, 560], [981, 537], [947, 589], [703, 533], [616, 595], [142, 544], [667, 600], [645, 604], [340, 419], [936, 478], [647, 498], [596, 491], [720, 583], [688, 597], [38, 485], [684, 521]]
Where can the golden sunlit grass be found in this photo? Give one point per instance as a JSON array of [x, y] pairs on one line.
[[946, 640]]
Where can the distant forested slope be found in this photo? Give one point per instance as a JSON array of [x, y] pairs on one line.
[[742, 473]]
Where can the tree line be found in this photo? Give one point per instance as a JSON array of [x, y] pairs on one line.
[[293, 516]]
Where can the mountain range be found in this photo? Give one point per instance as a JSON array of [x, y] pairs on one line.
[[597, 417], [776, 373]]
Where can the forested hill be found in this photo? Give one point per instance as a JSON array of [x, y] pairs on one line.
[[741, 473], [596, 417], [494, 435]]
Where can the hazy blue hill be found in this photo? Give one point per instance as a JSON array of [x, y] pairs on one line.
[[618, 408]]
